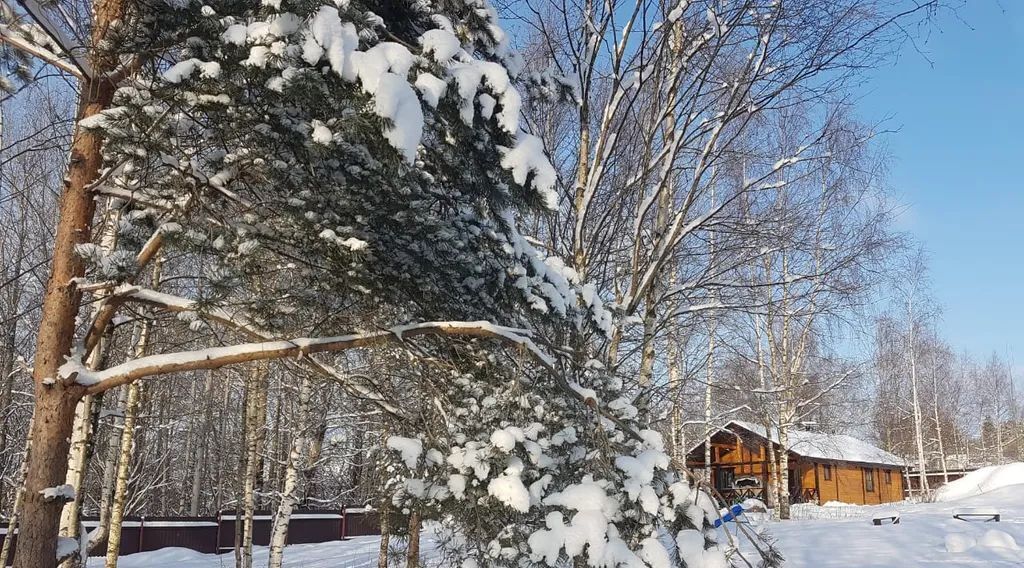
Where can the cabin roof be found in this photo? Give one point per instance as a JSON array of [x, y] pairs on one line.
[[823, 446]]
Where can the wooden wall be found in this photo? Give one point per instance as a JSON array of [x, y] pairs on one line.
[[848, 484]]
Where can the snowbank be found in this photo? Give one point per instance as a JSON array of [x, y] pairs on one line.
[[356, 552], [984, 480], [957, 543]]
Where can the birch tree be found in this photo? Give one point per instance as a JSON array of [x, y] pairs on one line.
[[913, 297], [662, 121], [826, 240]]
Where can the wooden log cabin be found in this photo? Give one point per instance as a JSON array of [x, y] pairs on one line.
[[822, 467]]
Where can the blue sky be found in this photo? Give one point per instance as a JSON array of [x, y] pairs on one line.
[[958, 160]]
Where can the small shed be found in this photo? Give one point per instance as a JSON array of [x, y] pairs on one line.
[[822, 467]]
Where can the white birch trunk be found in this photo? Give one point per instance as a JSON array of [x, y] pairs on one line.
[[784, 496], [922, 463], [131, 412], [708, 399], [255, 422], [19, 497], [132, 400], [202, 447], [676, 388], [385, 535], [110, 471], [81, 433], [773, 477], [938, 426], [117, 509], [293, 478]]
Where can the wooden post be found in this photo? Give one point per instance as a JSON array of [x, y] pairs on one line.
[[764, 482], [817, 484], [863, 486], [217, 546]]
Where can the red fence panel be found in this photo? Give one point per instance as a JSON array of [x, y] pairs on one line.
[[217, 534]]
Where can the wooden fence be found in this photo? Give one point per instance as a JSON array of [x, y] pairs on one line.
[[217, 534]]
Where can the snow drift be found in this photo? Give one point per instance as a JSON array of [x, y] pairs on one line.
[[981, 481]]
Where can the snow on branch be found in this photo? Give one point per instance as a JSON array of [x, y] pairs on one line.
[[49, 43], [241, 323], [10, 37], [216, 357], [83, 69]]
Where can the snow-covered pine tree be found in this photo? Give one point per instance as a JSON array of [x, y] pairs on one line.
[[521, 471], [345, 166], [337, 156]]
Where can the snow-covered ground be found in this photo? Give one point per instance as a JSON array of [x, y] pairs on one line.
[[358, 552], [844, 536], [825, 537]]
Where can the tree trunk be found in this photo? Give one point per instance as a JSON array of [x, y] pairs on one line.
[[255, 437], [316, 448], [675, 380], [81, 435], [109, 472], [191, 452], [922, 463], [243, 457], [202, 447], [385, 535], [19, 498], [8, 349], [708, 399], [124, 462], [938, 425], [293, 477], [644, 378], [12, 524], [784, 496], [86, 414], [1000, 451], [773, 475], [56, 399], [413, 552], [275, 448]]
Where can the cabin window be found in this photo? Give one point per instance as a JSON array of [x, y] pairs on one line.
[[826, 470], [888, 477], [725, 478], [869, 480]]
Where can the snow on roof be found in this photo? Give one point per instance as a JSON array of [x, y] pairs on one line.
[[819, 445]]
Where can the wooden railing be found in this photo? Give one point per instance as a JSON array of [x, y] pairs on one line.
[[733, 496], [805, 496]]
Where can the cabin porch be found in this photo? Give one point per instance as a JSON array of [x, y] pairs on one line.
[[740, 469]]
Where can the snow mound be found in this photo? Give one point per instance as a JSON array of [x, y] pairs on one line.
[[998, 539], [981, 481], [994, 538], [839, 504], [754, 505], [959, 542]]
